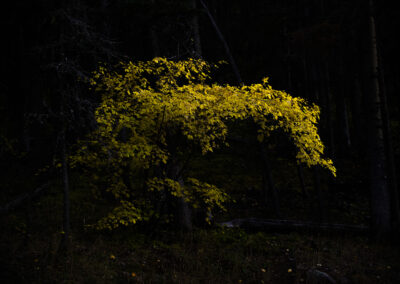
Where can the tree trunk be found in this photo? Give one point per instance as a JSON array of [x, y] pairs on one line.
[[391, 166], [184, 214], [380, 200], [321, 210], [289, 85], [154, 38], [269, 182], [315, 89], [197, 53], [264, 188], [358, 114], [327, 90], [343, 118], [65, 178], [300, 174], [221, 37], [342, 106]]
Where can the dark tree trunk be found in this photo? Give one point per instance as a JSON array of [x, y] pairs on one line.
[[328, 113], [184, 214], [321, 210], [342, 101], [391, 166], [289, 85], [358, 122], [380, 199], [269, 182], [226, 46], [65, 178], [300, 174], [342, 114], [197, 53], [154, 38]]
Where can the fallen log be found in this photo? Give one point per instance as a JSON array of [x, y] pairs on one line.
[[23, 198], [290, 225]]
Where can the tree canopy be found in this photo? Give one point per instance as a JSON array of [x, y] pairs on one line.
[[154, 114]]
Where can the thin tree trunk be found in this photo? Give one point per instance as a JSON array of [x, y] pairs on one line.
[[289, 84], [380, 200], [312, 88], [343, 124], [184, 214], [332, 148], [300, 174], [195, 30], [28, 217], [346, 130], [221, 37], [391, 166], [342, 114], [265, 188], [358, 122], [321, 213], [154, 38], [65, 178], [270, 182]]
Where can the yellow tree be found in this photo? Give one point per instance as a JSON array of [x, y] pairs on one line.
[[154, 114]]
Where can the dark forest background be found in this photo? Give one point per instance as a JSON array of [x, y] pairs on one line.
[[341, 55]]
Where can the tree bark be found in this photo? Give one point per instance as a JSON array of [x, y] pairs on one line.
[[380, 200]]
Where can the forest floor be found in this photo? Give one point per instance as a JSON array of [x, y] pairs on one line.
[[29, 240], [208, 255]]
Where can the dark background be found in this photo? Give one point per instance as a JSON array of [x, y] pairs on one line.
[[318, 50]]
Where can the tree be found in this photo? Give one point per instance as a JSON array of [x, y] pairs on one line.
[[155, 115], [380, 196]]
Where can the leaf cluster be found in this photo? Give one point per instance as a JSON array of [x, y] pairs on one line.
[[153, 114]]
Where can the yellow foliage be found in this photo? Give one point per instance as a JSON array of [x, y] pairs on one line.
[[146, 103]]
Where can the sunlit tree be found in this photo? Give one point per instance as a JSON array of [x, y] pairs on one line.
[[155, 115]]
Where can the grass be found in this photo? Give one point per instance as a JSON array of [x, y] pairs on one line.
[[213, 255]]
